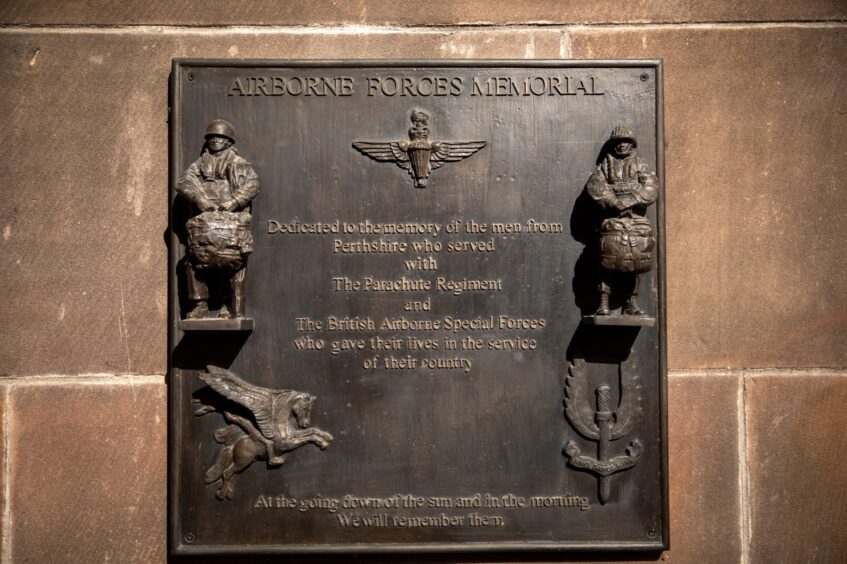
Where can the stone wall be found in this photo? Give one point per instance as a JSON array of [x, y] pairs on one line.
[[755, 148]]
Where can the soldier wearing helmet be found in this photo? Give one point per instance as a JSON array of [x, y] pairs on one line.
[[624, 187], [221, 182]]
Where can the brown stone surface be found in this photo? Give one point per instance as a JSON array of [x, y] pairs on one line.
[[3, 458], [88, 483], [85, 167], [755, 199], [437, 12], [703, 469], [797, 453]]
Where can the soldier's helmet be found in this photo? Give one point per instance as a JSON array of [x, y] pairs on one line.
[[623, 133], [221, 127]]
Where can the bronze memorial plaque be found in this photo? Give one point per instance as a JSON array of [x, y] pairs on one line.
[[417, 306]]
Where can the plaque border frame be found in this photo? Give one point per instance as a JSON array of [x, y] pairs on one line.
[[179, 546]]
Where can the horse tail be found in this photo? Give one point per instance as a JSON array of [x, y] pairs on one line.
[[223, 461], [229, 435]]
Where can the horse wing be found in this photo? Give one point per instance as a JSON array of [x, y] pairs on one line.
[[255, 398]]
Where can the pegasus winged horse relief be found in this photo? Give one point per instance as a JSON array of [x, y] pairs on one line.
[[279, 422]]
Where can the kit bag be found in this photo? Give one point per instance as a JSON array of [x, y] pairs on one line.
[[219, 240], [626, 244]]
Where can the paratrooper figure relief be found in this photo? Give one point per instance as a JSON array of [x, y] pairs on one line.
[[624, 187], [220, 186]]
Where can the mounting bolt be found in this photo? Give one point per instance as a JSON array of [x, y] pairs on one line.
[[189, 538], [190, 76], [651, 533], [644, 77]]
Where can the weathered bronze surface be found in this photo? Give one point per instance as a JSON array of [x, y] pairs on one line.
[[460, 294]]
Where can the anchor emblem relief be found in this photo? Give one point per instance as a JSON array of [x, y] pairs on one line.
[[419, 156], [601, 423]]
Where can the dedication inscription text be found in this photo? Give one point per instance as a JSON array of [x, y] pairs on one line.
[[393, 342]]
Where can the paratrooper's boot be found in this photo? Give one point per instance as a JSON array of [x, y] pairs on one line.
[[631, 307], [603, 308], [200, 311]]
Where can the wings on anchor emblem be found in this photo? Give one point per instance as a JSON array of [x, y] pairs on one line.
[[419, 156]]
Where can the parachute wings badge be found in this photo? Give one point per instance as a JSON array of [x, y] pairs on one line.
[[419, 156]]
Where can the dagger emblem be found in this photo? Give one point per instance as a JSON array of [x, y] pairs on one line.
[[604, 427], [419, 156]]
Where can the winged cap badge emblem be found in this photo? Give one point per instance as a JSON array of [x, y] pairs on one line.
[[419, 156]]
